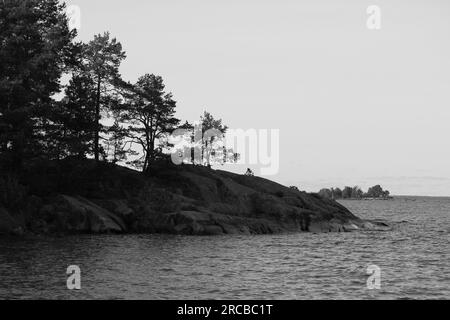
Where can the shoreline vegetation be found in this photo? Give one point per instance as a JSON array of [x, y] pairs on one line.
[[356, 193], [65, 164]]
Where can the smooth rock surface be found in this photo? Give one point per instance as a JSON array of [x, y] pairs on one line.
[[86, 197], [76, 214]]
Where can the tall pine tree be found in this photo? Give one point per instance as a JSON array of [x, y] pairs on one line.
[[102, 58], [149, 116], [36, 47], [71, 129]]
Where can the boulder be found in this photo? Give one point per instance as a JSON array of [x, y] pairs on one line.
[[118, 207], [76, 214]]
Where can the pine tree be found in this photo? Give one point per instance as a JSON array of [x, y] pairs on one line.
[[149, 116], [72, 125], [209, 149], [36, 47], [116, 144], [102, 58]]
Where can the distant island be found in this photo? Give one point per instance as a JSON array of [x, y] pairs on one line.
[[356, 193]]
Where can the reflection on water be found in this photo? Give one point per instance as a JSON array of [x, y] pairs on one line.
[[414, 260]]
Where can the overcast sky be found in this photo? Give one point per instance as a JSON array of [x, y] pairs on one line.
[[354, 106]]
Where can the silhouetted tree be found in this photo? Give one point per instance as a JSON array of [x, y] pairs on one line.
[[205, 142], [214, 143], [337, 193], [357, 193], [36, 47], [347, 192], [377, 192], [189, 139], [102, 58], [116, 145], [250, 173], [326, 193], [149, 115], [71, 128]]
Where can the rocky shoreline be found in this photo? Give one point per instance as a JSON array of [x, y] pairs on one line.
[[184, 200]]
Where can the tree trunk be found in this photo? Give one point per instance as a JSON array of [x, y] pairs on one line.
[[97, 122], [17, 154], [152, 154]]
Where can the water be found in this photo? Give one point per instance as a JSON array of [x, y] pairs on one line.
[[413, 257]]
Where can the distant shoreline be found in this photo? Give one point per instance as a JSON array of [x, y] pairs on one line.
[[368, 199]]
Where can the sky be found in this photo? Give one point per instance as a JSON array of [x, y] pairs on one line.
[[353, 106]]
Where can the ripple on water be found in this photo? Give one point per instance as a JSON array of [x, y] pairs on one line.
[[413, 257]]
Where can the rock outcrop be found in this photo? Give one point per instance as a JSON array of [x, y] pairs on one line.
[[184, 200], [68, 214]]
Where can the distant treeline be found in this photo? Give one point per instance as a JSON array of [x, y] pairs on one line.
[[376, 192]]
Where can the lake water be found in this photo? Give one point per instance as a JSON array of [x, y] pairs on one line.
[[414, 260]]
